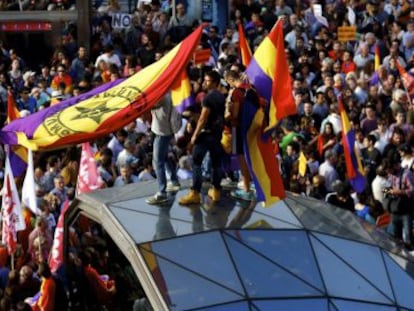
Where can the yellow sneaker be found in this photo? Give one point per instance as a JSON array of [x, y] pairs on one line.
[[193, 197], [214, 194]]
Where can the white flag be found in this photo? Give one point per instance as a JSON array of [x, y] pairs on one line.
[[351, 16], [88, 178], [317, 11], [29, 189], [12, 215]]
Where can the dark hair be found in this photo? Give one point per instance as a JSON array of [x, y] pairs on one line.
[[232, 74], [372, 138], [214, 75], [44, 270]]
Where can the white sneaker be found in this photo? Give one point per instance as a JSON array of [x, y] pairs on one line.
[[173, 187]]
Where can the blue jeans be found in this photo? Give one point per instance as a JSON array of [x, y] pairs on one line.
[[207, 143], [161, 161], [402, 225]]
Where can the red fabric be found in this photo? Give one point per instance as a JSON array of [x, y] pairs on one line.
[[347, 67], [282, 103], [3, 256], [246, 53], [46, 301], [66, 79], [56, 254], [99, 286], [320, 145]]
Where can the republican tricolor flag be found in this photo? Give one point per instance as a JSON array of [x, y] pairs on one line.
[[260, 157], [354, 168], [103, 110], [268, 72], [181, 92]]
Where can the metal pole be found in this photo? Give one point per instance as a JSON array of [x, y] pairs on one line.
[[174, 13]]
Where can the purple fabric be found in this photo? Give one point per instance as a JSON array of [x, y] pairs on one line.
[[262, 82], [189, 101]]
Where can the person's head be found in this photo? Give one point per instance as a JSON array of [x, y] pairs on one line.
[[397, 136], [405, 150], [343, 191], [232, 78], [328, 128], [370, 111], [106, 156], [125, 171], [44, 270], [400, 117], [211, 80], [59, 182], [331, 156], [292, 149], [25, 274], [121, 135], [41, 223], [180, 9], [371, 140], [382, 169]]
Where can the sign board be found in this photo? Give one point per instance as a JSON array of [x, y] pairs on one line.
[[347, 33], [25, 26], [121, 20], [207, 10], [201, 56]]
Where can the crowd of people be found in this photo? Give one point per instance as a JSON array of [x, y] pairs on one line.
[[378, 101]]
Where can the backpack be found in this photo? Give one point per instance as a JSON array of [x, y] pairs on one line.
[[175, 120]]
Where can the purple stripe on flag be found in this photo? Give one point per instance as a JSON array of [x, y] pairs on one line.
[[187, 102], [29, 124], [17, 164], [262, 82]]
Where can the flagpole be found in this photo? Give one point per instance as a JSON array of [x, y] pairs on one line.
[[12, 261], [40, 246]]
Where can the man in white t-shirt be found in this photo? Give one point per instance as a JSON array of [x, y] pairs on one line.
[[109, 57]]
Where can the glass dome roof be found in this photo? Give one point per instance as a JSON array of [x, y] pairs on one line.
[[299, 254]]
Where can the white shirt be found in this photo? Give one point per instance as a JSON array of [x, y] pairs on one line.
[[145, 176], [329, 173], [335, 119], [109, 59], [378, 185]]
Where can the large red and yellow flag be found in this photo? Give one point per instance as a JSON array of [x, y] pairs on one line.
[[245, 51], [105, 110], [268, 71]]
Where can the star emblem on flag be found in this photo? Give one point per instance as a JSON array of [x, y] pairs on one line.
[[96, 113]]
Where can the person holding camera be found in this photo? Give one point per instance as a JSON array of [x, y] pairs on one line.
[[399, 200]]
